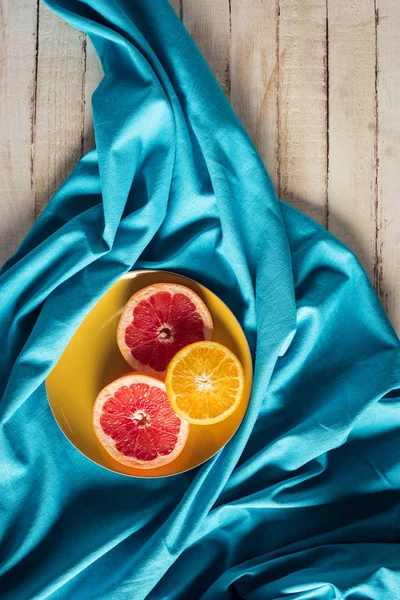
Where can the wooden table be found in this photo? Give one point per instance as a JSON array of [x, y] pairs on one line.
[[315, 82]]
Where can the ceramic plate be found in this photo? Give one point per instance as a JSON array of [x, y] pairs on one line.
[[92, 360]]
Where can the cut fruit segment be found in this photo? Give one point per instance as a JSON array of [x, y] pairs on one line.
[[204, 383], [157, 322], [135, 423]]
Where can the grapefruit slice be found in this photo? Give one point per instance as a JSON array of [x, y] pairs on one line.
[[205, 383], [157, 322], [135, 423]]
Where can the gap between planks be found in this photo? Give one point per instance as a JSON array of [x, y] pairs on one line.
[[67, 72], [59, 105], [17, 59], [34, 99], [255, 15], [226, 43]]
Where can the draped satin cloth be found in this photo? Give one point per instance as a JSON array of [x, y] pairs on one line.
[[303, 503]]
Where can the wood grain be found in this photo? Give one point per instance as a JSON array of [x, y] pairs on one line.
[[316, 84], [177, 6], [303, 106], [93, 76], [17, 92], [208, 22], [255, 76], [352, 126], [60, 101], [388, 153]]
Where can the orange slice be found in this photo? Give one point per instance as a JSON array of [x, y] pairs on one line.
[[204, 383]]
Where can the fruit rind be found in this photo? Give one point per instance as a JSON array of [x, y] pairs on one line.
[[108, 442], [144, 294], [172, 396]]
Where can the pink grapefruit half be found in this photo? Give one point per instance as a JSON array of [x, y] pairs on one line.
[[157, 322], [135, 423]]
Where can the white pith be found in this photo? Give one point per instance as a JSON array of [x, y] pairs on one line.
[[141, 417], [126, 320], [162, 337], [108, 442], [203, 382]]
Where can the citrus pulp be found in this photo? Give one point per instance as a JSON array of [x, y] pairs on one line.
[[204, 382], [157, 322], [135, 423]]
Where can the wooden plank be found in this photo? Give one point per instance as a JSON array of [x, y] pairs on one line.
[[303, 106], [37, 150], [177, 6], [93, 76], [352, 126], [255, 75], [208, 22], [388, 153], [17, 101], [60, 104]]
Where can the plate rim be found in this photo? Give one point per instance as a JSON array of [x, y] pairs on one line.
[[131, 275]]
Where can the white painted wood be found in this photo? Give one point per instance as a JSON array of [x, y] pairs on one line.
[[93, 76], [177, 6], [303, 106], [388, 154], [271, 59], [352, 126], [60, 104], [17, 91], [255, 76], [208, 22]]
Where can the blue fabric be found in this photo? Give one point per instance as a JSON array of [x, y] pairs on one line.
[[303, 503]]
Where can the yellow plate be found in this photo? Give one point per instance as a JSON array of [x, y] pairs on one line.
[[92, 360]]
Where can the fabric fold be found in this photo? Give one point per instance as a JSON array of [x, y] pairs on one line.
[[303, 502]]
